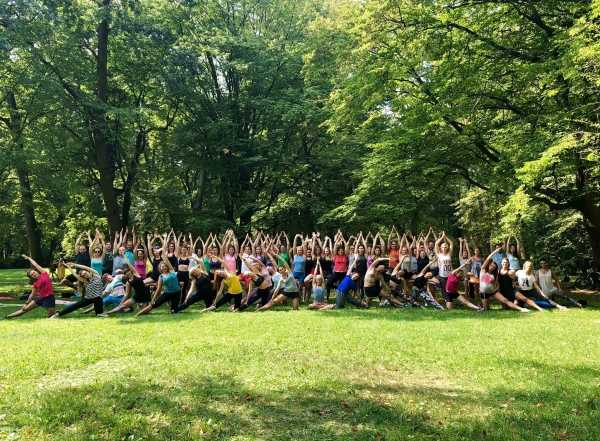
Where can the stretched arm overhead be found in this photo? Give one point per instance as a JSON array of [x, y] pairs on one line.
[[33, 263], [462, 266], [376, 262], [83, 267], [488, 259]]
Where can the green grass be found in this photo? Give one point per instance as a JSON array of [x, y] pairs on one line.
[[364, 375]]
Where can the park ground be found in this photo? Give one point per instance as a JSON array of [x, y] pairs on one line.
[[331, 375]]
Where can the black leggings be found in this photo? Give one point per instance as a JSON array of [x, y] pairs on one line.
[[237, 300], [207, 297], [171, 297], [264, 295], [97, 301], [334, 278]]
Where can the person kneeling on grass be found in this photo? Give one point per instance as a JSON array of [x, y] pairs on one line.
[[287, 288], [232, 286], [374, 278], [141, 293], [451, 292], [41, 291], [347, 284], [167, 289], [92, 283]]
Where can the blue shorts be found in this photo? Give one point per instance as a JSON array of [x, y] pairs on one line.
[[45, 302], [112, 299]]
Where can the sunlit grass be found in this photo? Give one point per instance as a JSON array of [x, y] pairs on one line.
[[377, 374]]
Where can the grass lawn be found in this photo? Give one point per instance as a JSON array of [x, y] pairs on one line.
[[352, 374]]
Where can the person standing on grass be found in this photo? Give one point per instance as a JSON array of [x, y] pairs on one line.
[[443, 251], [94, 287], [42, 293]]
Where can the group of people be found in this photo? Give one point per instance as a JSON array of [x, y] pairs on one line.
[[412, 270]]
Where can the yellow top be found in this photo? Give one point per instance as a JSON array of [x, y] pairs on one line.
[[234, 287]]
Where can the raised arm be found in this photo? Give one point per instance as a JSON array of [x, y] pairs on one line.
[[83, 267], [467, 262], [33, 263], [164, 257], [488, 259]]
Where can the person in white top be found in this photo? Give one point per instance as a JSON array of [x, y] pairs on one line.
[[528, 287], [443, 251], [550, 284]]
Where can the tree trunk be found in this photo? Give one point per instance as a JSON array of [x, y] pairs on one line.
[[103, 146], [591, 219], [32, 230]]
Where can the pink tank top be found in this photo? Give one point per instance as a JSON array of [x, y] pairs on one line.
[[230, 263], [140, 267]]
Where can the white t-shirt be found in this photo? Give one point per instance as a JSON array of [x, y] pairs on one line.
[[525, 281], [445, 264]]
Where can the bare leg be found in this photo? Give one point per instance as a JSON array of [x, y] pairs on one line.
[[145, 310], [530, 302], [276, 301], [506, 302], [296, 304], [24, 309], [126, 304], [467, 303]]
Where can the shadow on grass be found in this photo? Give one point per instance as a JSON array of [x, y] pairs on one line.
[[220, 407]]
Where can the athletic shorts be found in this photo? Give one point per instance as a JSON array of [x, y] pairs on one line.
[[450, 296], [45, 302], [292, 295], [487, 295], [372, 291]]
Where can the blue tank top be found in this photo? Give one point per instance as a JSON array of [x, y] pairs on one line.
[[346, 285], [513, 262], [318, 293], [97, 264], [170, 282], [299, 264]]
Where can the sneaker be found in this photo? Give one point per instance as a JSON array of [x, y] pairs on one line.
[[102, 315], [55, 316]]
